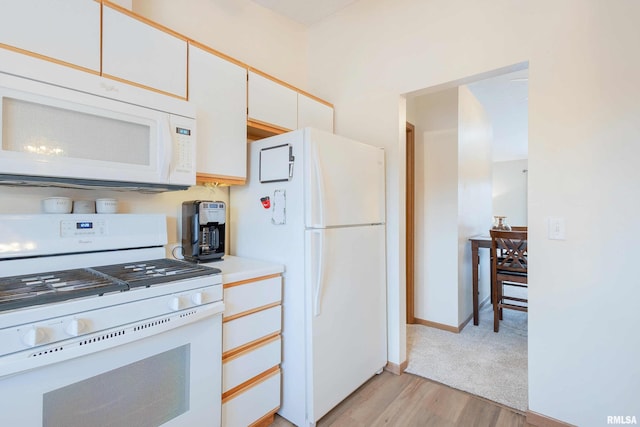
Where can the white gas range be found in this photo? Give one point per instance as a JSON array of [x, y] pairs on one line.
[[97, 328]]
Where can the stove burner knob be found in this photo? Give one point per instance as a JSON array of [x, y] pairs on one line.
[[75, 327], [176, 304], [35, 336], [197, 298]]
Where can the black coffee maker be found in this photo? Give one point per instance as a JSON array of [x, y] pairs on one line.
[[203, 225]]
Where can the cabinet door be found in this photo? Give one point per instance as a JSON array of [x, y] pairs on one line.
[[314, 113], [66, 31], [250, 404], [142, 54], [272, 103], [218, 88]]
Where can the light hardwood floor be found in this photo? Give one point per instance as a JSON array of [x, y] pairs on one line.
[[410, 400]]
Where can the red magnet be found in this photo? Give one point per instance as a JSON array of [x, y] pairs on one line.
[[266, 203]]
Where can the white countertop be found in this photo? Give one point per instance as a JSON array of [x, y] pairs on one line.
[[235, 269]]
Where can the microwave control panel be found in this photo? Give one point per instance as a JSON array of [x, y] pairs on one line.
[[184, 149]]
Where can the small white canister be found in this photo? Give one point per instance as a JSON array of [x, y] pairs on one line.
[[106, 206], [84, 207], [56, 205]]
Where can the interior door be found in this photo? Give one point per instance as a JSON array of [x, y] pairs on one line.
[[346, 315], [344, 182]]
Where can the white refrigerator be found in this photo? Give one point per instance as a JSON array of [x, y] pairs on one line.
[[315, 202]]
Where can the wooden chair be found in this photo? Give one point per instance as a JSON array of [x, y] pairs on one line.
[[509, 268]]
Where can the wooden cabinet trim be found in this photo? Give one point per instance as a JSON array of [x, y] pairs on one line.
[[216, 53], [256, 131], [283, 83], [50, 59], [267, 420], [266, 127], [258, 379], [149, 88], [230, 354], [256, 345], [253, 279], [176, 34], [249, 312], [215, 180]]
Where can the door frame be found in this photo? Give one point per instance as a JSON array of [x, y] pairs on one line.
[[410, 221]]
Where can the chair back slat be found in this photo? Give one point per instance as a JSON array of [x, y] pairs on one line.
[[509, 250]]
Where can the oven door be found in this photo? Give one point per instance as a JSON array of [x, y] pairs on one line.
[[169, 379]]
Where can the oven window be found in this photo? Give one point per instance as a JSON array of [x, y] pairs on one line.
[[146, 393]]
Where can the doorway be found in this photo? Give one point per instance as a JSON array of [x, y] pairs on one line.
[[449, 195], [449, 199]]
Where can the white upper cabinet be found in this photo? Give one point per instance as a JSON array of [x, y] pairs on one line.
[[218, 88], [272, 103], [66, 31], [143, 54], [314, 113]]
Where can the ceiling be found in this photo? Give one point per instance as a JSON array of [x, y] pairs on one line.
[[305, 12], [504, 97]]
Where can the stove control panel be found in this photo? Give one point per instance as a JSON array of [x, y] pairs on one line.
[[71, 228], [129, 309]]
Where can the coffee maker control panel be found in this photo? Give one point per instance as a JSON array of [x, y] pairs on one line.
[[212, 212]]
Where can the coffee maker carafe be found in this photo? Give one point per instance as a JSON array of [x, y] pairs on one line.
[[203, 224]]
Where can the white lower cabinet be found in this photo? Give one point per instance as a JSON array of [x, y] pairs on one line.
[[252, 351], [251, 328], [255, 405], [245, 366]]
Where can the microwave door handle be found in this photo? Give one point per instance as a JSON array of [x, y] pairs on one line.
[[166, 150]]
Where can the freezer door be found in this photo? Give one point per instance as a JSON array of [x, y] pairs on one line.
[[346, 313], [344, 182]]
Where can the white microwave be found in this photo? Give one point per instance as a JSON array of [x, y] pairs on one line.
[[59, 136]]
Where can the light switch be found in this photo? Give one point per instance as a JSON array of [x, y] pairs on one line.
[[556, 228]]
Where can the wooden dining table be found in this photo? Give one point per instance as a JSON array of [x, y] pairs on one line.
[[481, 241]]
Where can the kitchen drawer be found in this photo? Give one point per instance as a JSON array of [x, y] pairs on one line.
[[246, 329], [244, 297], [253, 403], [250, 363]]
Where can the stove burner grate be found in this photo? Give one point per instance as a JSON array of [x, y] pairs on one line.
[[43, 288], [156, 271]]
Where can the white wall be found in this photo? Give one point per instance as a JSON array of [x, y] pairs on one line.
[[510, 190], [241, 29], [436, 202], [453, 202], [474, 196], [583, 152]]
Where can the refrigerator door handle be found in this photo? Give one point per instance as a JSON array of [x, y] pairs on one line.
[[317, 290]]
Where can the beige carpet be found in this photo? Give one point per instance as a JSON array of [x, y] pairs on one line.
[[477, 360]]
